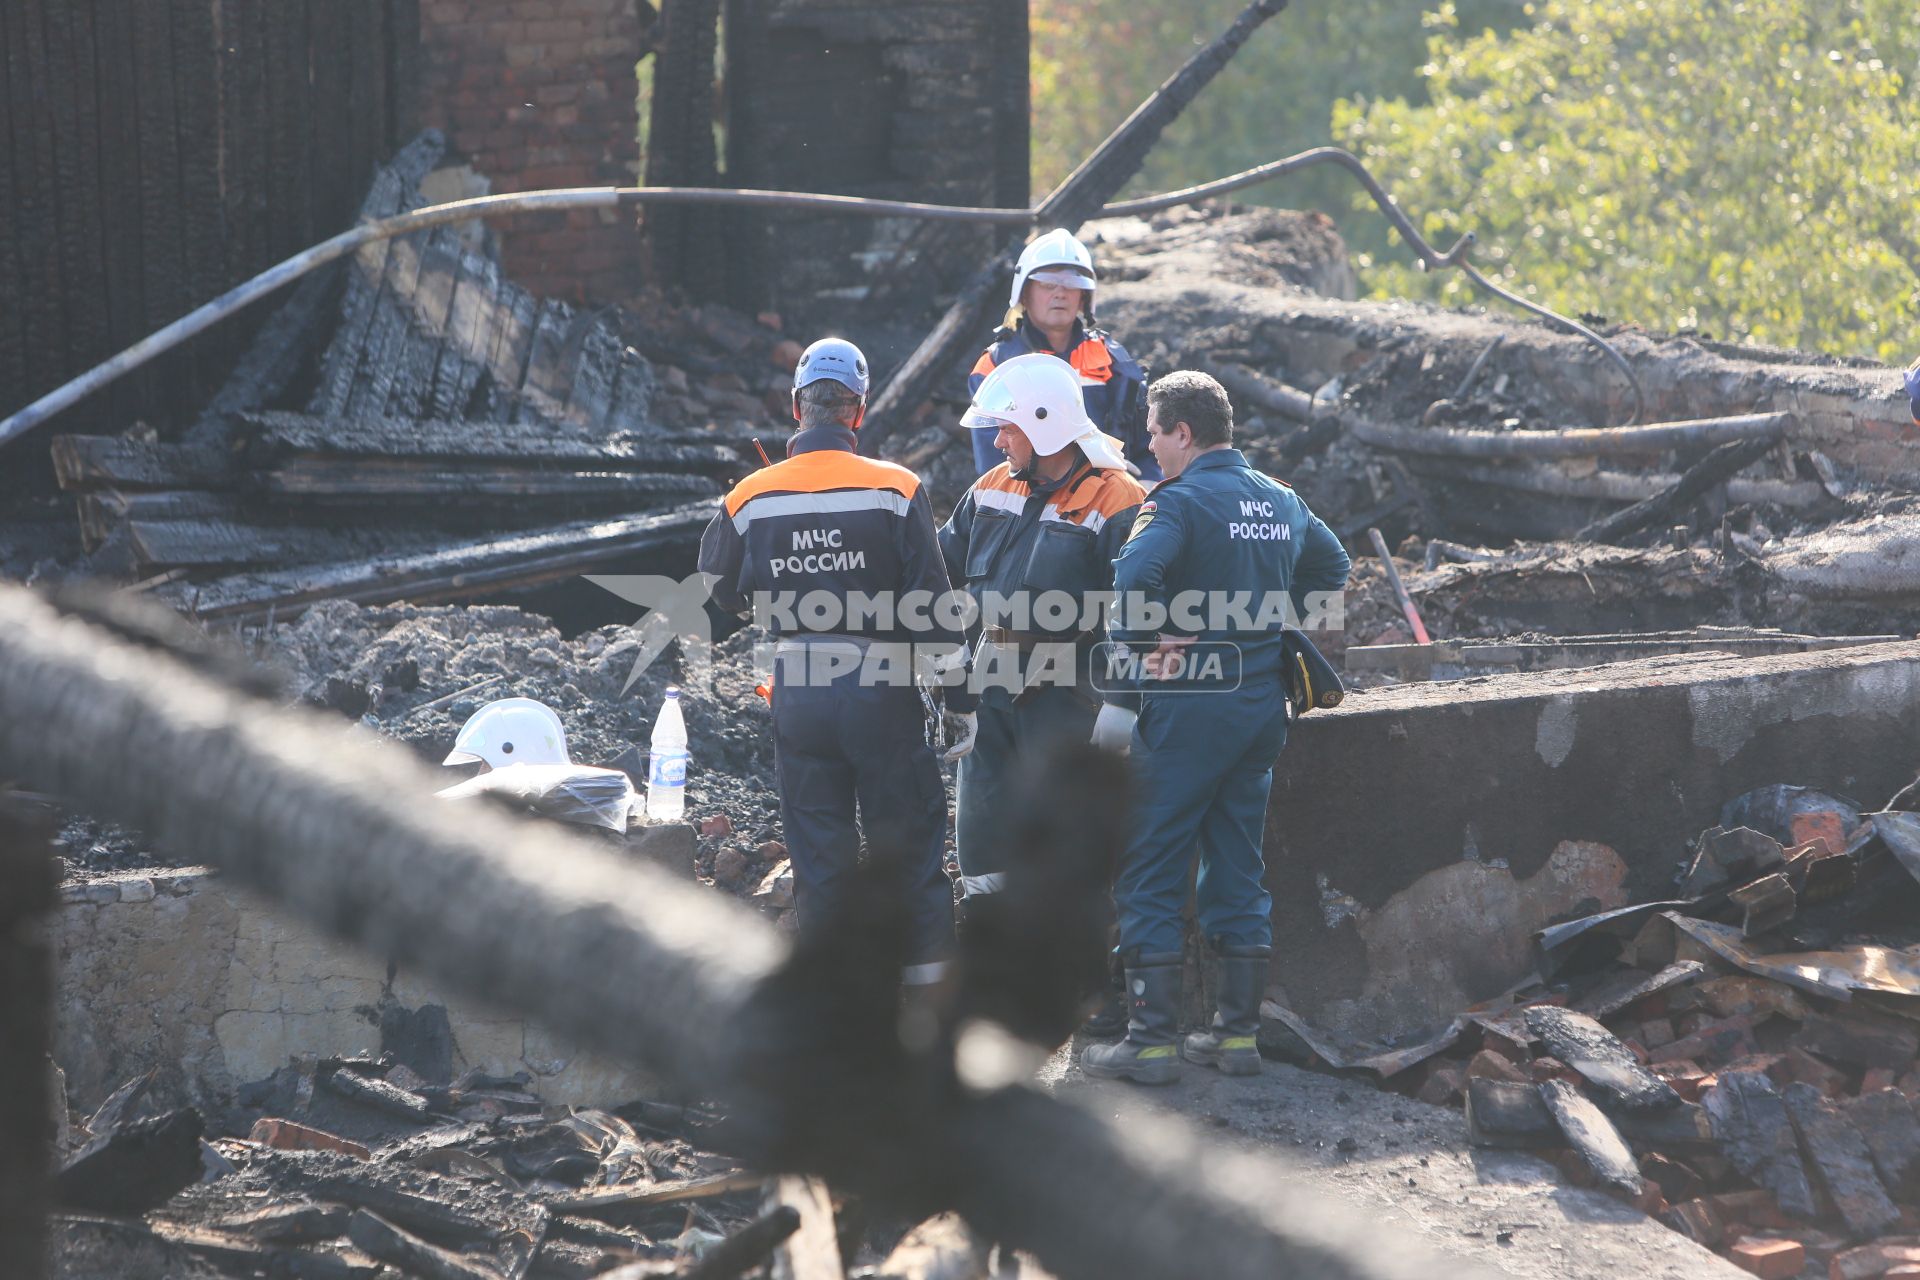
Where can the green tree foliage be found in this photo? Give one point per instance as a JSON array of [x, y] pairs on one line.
[[1746, 168], [1094, 60]]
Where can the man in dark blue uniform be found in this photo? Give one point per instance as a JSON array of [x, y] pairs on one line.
[[837, 556], [1051, 310], [1220, 559]]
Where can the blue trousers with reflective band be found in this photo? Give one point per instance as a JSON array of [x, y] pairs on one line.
[[1204, 761], [840, 747], [1012, 740]]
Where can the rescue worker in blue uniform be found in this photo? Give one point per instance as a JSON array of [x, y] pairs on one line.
[[1223, 550], [1049, 518], [805, 545], [1051, 311]]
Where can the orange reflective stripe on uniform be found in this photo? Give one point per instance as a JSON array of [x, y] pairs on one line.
[[1089, 501], [1092, 361], [984, 365], [824, 471]]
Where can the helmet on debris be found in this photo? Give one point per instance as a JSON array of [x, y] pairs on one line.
[[1055, 258], [511, 731], [1040, 394], [834, 358]]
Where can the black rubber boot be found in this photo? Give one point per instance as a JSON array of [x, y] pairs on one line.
[[1148, 1054], [1230, 1044], [1108, 1004]]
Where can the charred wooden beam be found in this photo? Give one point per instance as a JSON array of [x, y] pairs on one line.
[[274, 437], [94, 462], [1679, 497], [447, 573], [26, 1015], [1583, 442], [381, 481]]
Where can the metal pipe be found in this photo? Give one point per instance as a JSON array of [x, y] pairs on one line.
[[483, 207], [1430, 259], [1400, 593]]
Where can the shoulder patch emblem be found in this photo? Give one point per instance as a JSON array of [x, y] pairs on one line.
[[1140, 521]]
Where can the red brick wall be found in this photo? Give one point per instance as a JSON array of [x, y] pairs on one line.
[[535, 94]]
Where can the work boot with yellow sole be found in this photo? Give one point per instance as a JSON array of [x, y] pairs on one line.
[[1148, 1055], [1230, 1045]]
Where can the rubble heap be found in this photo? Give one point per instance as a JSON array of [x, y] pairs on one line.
[[1742, 1060]]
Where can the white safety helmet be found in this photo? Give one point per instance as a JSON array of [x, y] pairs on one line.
[[511, 731], [1040, 394], [834, 358], [1059, 252]]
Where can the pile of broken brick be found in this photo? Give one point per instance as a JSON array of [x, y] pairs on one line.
[[1740, 1061]]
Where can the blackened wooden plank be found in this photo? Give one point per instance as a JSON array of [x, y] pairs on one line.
[[42, 286], [449, 572], [337, 187], [197, 126], [403, 71], [273, 438], [513, 350], [427, 307], [469, 330], [76, 198], [1600, 1058], [162, 238], [596, 367], [371, 482], [106, 510], [91, 462], [243, 160], [367, 21], [543, 391], [289, 140], [289, 342], [389, 334], [13, 335], [115, 56], [1589, 1132]]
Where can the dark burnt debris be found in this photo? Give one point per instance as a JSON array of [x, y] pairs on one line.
[[1739, 1061]]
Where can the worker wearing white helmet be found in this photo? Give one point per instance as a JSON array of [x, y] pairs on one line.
[[1046, 522], [1050, 309]]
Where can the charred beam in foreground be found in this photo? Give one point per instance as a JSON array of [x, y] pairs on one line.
[[26, 1034], [629, 960]]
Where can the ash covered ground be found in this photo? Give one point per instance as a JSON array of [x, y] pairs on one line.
[[385, 666]]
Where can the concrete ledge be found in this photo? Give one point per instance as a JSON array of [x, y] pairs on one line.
[[1417, 835], [182, 971]]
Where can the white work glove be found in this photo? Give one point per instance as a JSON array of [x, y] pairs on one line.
[[959, 728], [1113, 729]]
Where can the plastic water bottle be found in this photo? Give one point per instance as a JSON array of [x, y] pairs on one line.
[[667, 763]]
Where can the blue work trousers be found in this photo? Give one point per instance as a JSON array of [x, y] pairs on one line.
[[1014, 738], [840, 746], [1205, 765]]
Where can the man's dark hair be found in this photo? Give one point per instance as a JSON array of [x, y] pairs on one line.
[[827, 403], [1197, 400]]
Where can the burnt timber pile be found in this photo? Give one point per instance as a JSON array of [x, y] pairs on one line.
[[389, 429]]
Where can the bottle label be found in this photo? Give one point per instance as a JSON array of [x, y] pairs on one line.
[[667, 769]]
